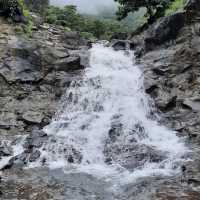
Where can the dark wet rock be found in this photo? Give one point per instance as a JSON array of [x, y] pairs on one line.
[[161, 70], [17, 162], [171, 69], [122, 45], [5, 150], [58, 54], [31, 152], [70, 159], [18, 69], [31, 117], [192, 5], [31, 84], [35, 140], [119, 45], [192, 103], [150, 86], [22, 48], [166, 104], [39, 133], [73, 40], [133, 156], [165, 30], [34, 156], [115, 132], [122, 147], [73, 155], [69, 64]]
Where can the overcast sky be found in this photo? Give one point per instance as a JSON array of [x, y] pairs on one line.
[[89, 6]]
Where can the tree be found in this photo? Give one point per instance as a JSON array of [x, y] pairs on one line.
[[13, 9], [38, 6], [155, 8]]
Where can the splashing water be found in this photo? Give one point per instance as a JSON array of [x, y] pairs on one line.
[[112, 88]]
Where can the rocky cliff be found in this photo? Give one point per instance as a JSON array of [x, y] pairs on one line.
[[34, 75], [169, 51]]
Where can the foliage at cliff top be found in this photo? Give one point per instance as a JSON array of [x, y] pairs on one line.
[[155, 8], [38, 6], [90, 26], [175, 6]]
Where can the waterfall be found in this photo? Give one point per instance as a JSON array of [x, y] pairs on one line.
[[105, 126]]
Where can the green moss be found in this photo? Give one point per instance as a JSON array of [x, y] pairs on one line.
[[88, 36], [29, 25], [175, 6], [67, 29]]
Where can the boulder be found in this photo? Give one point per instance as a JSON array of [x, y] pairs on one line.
[[122, 45], [58, 54], [17, 69], [5, 150], [166, 102], [165, 30], [33, 117], [35, 140], [8, 120], [192, 103], [69, 64], [192, 5], [115, 131], [17, 162], [134, 155], [34, 156], [150, 86], [73, 40]]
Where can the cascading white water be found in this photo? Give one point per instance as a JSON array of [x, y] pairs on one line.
[[112, 85]]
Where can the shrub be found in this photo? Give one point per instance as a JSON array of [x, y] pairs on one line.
[[175, 6]]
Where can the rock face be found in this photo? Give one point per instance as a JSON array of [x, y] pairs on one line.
[[165, 30], [122, 45], [171, 60], [193, 5], [34, 74]]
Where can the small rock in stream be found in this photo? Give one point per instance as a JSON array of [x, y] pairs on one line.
[[5, 150], [34, 156]]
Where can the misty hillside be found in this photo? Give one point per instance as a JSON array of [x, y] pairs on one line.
[[100, 20], [85, 6]]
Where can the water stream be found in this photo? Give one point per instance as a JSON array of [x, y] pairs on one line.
[[105, 129], [105, 117]]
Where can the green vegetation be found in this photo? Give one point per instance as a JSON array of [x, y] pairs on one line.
[[134, 20], [89, 26], [38, 6], [104, 25], [175, 6], [155, 9], [29, 23]]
